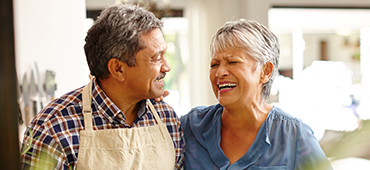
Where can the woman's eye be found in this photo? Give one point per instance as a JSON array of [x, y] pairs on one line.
[[214, 65]]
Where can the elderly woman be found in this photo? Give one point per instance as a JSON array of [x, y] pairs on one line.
[[243, 131]]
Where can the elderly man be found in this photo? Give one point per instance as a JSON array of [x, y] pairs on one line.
[[112, 122]]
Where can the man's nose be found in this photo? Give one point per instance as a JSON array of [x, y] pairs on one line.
[[165, 66]]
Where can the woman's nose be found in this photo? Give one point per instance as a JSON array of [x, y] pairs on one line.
[[221, 72]]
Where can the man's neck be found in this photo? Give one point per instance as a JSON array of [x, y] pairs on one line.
[[128, 105]]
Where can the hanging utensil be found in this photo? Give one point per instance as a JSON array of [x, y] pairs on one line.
[[20, 117], [25, 91], [40, 89], [50, 85], [33, 94]]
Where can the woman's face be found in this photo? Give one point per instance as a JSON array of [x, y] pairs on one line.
[[236, 78]]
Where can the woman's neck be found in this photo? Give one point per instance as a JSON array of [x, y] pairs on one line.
[[246, 116]]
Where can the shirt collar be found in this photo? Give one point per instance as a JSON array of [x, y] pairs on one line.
[[107, 108], [144, 106], [257, 149]]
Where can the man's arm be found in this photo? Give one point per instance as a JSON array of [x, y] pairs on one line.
[[40, 151]]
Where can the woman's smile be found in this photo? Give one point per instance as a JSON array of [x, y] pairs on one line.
[[224, 87]]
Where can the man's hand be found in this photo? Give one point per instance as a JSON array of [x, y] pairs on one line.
[[165, 93]]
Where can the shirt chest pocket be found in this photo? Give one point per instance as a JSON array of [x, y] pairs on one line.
[[267, 168]]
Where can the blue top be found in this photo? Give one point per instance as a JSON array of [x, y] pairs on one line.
[[282, 142]]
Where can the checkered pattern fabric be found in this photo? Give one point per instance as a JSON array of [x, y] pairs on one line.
[[54, 139]]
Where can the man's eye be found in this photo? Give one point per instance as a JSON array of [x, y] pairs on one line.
[[158, 58]]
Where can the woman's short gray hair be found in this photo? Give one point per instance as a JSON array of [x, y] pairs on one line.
[[258, 41], [117, 34]]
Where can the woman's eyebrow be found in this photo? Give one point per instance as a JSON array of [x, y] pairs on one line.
[[229, 56]]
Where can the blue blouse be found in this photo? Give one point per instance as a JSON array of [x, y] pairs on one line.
[[282, 142]]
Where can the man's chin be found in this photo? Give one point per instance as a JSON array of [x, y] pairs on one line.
[[157, 94]]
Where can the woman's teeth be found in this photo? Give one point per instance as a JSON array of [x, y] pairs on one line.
[[226, 85]]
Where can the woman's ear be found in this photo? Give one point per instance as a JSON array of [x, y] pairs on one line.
[[116, 69], [266, 72]]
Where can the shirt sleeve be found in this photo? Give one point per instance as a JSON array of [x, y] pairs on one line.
[[309, 154], [40, 151]]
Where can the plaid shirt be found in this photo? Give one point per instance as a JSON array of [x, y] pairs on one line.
[[54, 138]]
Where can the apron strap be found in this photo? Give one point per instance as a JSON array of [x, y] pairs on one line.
[[86, 105], [162, 126], [87, 111], [155, 114]]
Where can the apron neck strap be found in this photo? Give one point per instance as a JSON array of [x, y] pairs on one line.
[[87, 111], [154, 112], [86, 104]]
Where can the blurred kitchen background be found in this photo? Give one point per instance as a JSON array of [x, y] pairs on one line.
[[324, 63]]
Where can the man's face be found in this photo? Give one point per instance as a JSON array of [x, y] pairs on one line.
[[146, 77]]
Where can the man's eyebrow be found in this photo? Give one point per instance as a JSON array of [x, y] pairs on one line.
[[161, 51], [158, 52], [164, 50]]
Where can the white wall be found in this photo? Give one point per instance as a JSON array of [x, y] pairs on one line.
[[51, 33]]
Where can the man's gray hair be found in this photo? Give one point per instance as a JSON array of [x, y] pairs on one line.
[[117, 34], [257, 41]]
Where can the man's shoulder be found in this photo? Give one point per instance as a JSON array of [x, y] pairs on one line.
[[66, 106], [56, 127], [160, 104], [163, 109]]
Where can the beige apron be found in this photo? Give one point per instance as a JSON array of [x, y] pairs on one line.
[[135, 148]]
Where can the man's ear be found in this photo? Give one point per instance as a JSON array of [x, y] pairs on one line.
[[116, 69], [266, 72]]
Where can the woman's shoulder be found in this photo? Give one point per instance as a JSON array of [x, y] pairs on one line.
[[201, 115], [279, 119], [202, 111], [278, 114]]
